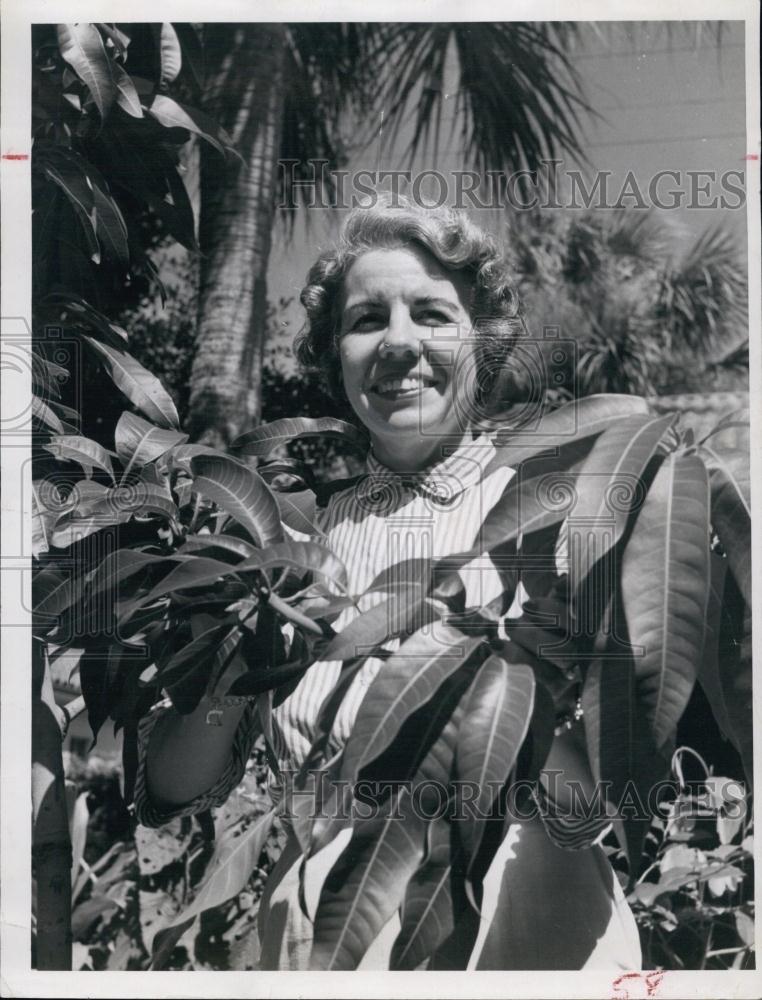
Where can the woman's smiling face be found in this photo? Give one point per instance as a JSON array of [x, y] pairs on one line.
[[404, 320]]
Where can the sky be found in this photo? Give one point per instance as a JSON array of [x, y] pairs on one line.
[[667, 100]]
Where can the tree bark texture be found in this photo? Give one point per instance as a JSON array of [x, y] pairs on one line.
[[51, 843], [245, 95]]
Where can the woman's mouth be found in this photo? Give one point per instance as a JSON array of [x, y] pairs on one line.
[[400, 388]]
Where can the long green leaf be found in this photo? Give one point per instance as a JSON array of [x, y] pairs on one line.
[[197, 571], [142, 388], [240, 492], [85, 451], [111, 228], [220, 545], [82, 48], [609, 487], [408, 680], [42, 412], [234, 860], [433, 899], [367, 884], [172, 114], [730, 480], [404, 613], [201, 648], [127, 96], [262, 440], [121, 565], [495, 723], [138, 442], [665, 589], [171, 55], [582, 418], [307, 557], [725, 669]]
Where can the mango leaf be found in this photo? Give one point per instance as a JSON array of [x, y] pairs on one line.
[[127, 96], [197, 571], [170, 54], [737, 420], [137, 499], [574, 421], [143, 389], [53, 593], [537, 497], [298, 511], [86, 452], [730, 479], [82, 48], [76, 526], [235, 857], [431, 901], [211, 633], [240, 492], [609, 488], [665, 589], [266, 438], [404, 613], [307, 557], [77, 311], [621, 750], [180, 458], [367, 884], [42, 412], [119, 566], [192, 52], [138, 442], [222, 546], [172, 114], [495, 722], [408, 680], [111, 229]]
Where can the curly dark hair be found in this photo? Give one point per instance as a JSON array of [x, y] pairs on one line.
[[456, 243]]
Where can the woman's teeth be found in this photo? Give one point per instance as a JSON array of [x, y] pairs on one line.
[[402, 384]]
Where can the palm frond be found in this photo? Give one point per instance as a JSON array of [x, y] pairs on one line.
[[518, 98]]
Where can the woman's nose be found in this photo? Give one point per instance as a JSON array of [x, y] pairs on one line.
[[400, 340]]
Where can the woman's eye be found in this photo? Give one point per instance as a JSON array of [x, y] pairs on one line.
[[434, 317], [367, 322]]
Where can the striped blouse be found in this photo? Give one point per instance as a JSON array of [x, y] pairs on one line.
[[382, 520]]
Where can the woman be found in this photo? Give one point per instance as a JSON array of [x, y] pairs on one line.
[[409, 318]]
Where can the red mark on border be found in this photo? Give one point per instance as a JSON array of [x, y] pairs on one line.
[[751, 156], [15, 156], [650, 980]]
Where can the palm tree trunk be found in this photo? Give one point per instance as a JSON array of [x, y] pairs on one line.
[[51, 843], [245, 95]]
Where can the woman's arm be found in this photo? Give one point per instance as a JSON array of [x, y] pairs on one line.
[[185, 756]]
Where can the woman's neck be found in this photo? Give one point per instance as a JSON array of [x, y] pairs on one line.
[[415, 456]]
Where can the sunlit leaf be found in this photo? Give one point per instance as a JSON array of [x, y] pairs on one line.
[[495, 722], [404, 613], [172, 114], [262, 440], [84, 451], [171, 55], [138, 442], [574, 421], [409, 678], [307, 557], [142, 388], [82, 48], [431, 901], [240, 492], [730, 479], [367, 884], [665, 581]]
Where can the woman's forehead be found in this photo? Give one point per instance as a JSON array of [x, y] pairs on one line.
[[408, 272]]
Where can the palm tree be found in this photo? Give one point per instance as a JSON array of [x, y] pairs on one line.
[[282, 92], [646, 317]]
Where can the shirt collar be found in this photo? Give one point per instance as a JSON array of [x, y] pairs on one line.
[[458, 469]]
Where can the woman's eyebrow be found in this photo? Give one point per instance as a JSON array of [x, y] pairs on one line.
[[432, 300], [370, 302]]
